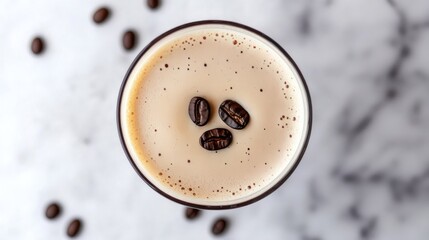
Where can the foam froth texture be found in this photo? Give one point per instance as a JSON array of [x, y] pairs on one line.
[[216, 62]]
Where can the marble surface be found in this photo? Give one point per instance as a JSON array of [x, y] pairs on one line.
[[365, 174]]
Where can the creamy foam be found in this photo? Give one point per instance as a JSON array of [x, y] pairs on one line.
[[216, 62]]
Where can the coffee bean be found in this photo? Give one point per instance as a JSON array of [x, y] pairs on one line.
[[101, 15], [191, 213], [219, 226], [153, 4], [37, 45], [129, 39], [199, 111], [74, 227], [216, 139], [53, 210], [233, 114]]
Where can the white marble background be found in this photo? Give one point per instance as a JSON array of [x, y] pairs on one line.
[[365, 174]]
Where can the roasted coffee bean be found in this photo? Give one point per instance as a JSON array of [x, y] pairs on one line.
[[37, 45], [216, 139], [101, 15], [53, 210], [191, 213], [219, 226], [199, 111], [233, 114], [74, 227], [153, 4], [129, 39]]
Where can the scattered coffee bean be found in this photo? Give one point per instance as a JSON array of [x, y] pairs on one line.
[[191, 213], [219, 226], [53, 210], [233, 114], [153, 4], [199, 111], [37, 45], [129, 39], [101, 15], [216, 139], [74, 227]]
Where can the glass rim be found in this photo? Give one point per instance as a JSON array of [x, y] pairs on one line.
[[215, 207]]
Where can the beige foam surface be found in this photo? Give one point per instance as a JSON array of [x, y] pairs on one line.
[[215, 62]]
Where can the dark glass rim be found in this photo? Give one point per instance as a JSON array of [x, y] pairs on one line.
[[214, 207]]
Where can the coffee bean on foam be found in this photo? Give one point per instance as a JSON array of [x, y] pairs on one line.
[[233, 114], [219, 63], [199, 111], [101, 15], [216, 139]]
